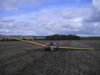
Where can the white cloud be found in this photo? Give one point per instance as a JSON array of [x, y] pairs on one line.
[[13, 5], [82, 21], [96, 4], [91, 23], [46, 21]]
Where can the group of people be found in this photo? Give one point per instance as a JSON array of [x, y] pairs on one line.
[[51, 46]]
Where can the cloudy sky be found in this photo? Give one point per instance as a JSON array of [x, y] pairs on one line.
[[47, 17]]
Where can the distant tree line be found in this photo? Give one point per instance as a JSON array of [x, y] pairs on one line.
[[51, 37], [7, 39], [62, 37]]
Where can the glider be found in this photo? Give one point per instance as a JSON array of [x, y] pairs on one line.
[[48, 48]]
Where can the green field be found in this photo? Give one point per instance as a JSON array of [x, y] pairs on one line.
[[90, 38]]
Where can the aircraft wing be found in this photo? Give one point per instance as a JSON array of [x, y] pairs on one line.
[[61, 47]]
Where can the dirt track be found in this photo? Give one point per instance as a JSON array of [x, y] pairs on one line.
[[19, 58]]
